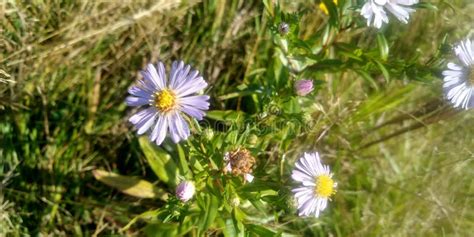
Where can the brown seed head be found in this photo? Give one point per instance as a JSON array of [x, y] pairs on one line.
[[241, 161]]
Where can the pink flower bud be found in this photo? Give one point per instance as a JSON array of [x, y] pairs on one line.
[[185, 191], [303, 87]]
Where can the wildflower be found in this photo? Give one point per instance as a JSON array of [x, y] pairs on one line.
[[458, 80], [374, 11], [167, 101], [185, 191], [240, 162], [303, 87], [283, 28], [317, 185], [323, 7]]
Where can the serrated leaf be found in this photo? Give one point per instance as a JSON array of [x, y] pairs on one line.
[[132, 186], [160, 162]]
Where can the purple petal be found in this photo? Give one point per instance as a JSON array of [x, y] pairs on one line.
[[191, 76], [172, 129], [161, 75], [136, 101], [198, 102], [181, 127], [176, 68], [154, 77], [193, 112], [191, 87], [136, 118], [159, 132], [147, 82], [140, 92]]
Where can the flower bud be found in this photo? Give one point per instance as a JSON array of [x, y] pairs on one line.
[[235, 202], [185, 191], [283, 28], [208, 134], [303, 87]]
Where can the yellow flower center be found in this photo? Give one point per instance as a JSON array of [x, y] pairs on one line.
[[324, 186], [471, 75], [323, 7], [165, 100]]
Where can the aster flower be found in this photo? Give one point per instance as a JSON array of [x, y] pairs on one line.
[[240, 162], [374, 11], [458, 80], [185, 191], [167, 102], [317, 185]]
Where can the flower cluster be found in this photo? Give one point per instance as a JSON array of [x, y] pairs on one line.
[[170, 102]]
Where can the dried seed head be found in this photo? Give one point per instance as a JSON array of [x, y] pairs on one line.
[[240, 162]]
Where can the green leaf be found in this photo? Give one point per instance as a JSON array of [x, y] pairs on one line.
[[208, 212], [183, 163], [291, 106], [382, 68], [132, 186], [260, 230], [161, 229], [160, 162], [225, 115], [383, 46], [367, 77]]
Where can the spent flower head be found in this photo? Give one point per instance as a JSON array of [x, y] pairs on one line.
[[167, 102], [240, 162], [316, 185]]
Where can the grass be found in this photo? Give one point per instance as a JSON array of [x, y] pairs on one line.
[[403, 160]]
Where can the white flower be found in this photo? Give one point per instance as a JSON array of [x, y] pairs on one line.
[[458, 80], [374, 11], [317, 185], [185, 191]]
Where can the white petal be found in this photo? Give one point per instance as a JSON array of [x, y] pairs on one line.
[[146, 124], [248, 177]]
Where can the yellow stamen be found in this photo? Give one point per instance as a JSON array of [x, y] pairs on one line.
[[324, 186], [165, 100], [323, 7]]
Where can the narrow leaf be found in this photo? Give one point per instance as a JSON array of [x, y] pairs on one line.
[[160, 162], [132, 186]]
